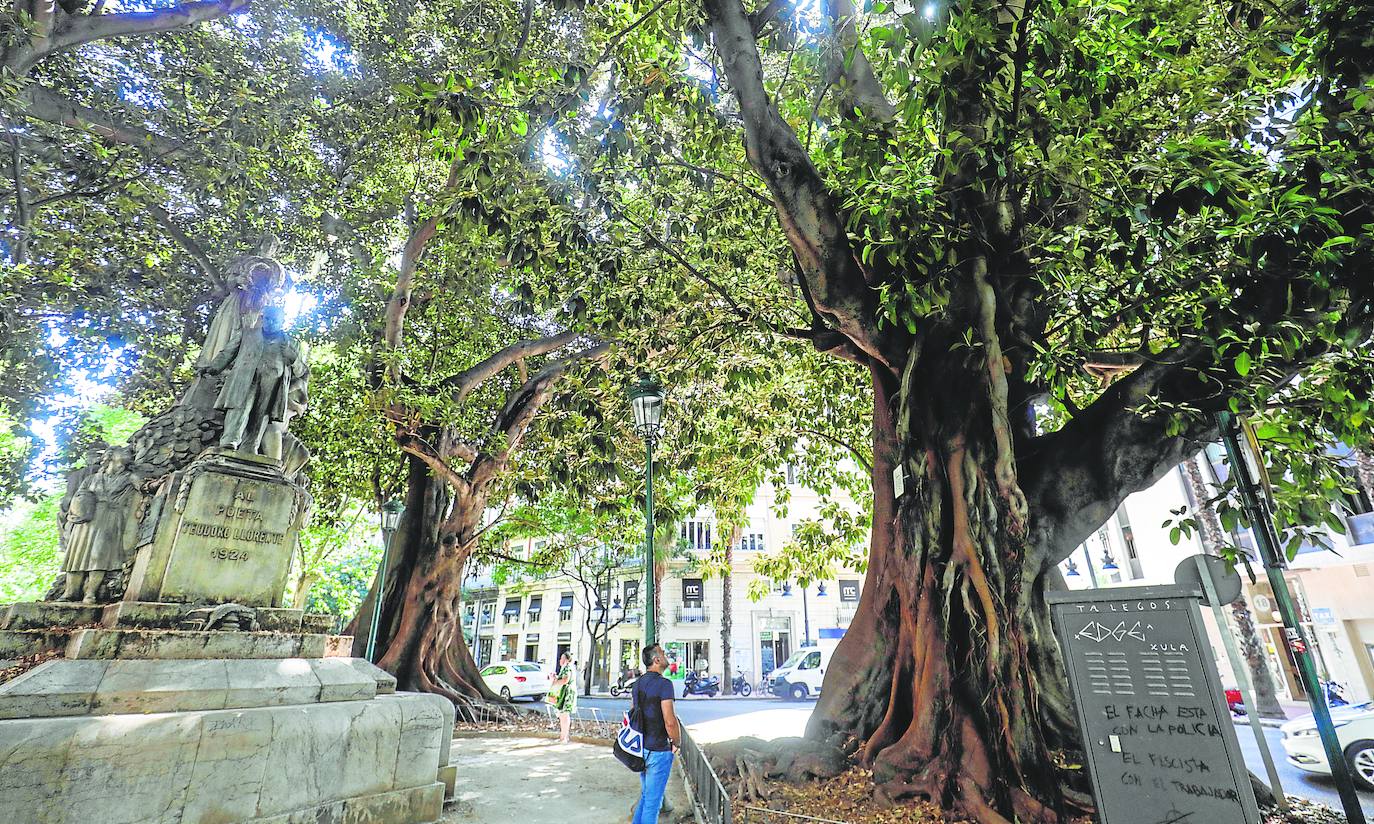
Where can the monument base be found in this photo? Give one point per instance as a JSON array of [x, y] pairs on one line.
[[138, 723], [222, 530], [374, 760]]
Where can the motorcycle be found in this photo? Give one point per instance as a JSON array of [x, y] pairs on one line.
[[1234, 702], [740, 685], [1335, 694], [696, 685], [624, 685]]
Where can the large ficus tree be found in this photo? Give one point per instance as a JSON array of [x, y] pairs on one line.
[[1059, 235]]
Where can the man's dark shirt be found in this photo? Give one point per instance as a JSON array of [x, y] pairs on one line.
[[651, 690]]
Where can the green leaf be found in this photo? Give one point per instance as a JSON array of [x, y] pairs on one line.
[[1243, 364]]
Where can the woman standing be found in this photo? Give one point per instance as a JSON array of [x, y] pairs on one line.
[[565, 696]]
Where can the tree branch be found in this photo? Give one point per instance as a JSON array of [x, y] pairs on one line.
[[526, 401], [21, 197], [469, 379], [44, 104], [80, 29], [861, 88], [210, 270], [810, 215]]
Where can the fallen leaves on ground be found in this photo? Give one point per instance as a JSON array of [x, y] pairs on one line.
[[847, 798], [27, 663], [1302, 811]]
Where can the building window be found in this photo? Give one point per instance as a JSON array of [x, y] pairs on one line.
[[488, 609], [791, 473], [532, 646], [753, 542], [696, 535], [538, 548], [535, 607], [565, 606], [511, 613]]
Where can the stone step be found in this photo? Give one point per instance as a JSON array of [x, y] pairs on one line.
[[44, 614], [67, 687], [189, 644], [17, 643], [161, 615]]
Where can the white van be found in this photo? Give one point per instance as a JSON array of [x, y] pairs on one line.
[[800, 676]]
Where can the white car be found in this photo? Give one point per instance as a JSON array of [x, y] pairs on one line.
[[517, 679], [1355, 731]]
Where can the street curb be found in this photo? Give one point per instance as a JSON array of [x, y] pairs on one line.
[[553, 736]]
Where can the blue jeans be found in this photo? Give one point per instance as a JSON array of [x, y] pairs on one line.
[[653, 782]]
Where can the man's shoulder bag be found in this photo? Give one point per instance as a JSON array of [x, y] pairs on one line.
[[629, 742]]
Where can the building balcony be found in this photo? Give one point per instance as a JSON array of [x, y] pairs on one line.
[[691, 615]]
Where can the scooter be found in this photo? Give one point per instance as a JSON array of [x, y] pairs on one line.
[[1234, 702], [740, 685], [694, 684], [1335, 694], [624, 685]]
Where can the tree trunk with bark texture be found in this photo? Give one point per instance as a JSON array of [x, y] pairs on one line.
[[948, 676], [1213, 541], [419, 637]]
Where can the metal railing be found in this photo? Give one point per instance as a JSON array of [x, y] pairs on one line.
[[708, 794], [691, 615]]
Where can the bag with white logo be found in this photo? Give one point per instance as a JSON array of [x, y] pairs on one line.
[[629, 742]]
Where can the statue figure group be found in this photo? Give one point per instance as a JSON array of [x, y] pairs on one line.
[[264, 385], [95, 516]]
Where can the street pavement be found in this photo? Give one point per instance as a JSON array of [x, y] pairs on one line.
[[719, 719]]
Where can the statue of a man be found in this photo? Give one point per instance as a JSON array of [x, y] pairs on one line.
[[256, 278], [95, 527], [265, 366]]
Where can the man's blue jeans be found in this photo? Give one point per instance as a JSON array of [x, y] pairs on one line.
[[653, 782]]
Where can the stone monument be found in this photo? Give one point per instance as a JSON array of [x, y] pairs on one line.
[[173, 685]]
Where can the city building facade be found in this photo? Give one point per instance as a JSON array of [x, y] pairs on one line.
[[537, 619]]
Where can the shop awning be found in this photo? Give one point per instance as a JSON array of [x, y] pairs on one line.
[[566, 601], [536, 603], [512, 607]]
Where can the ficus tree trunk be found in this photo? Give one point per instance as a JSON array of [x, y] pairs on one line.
[[940, 678], [419, 637]]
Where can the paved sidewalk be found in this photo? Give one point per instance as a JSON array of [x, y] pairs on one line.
[[527, 780]]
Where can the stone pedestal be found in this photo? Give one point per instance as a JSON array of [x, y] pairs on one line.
[[220, 531], [140, 722]]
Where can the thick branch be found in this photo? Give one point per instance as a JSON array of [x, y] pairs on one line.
[[80, 29], [861, 89], [810, 214], [525, 402], [21, 199], [469, 379], [164, 219], [44, 104]]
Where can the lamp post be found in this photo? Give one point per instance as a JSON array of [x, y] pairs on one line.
[[391, 518], [646, 399], [1299, 645]]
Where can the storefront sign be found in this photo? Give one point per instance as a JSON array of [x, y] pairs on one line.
[[849, 590], [1161, 748], [691, 590]]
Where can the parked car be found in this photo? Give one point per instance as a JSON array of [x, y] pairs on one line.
[[517, 679], [1355, 731]]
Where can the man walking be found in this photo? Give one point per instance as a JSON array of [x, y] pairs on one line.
[[662, 736]]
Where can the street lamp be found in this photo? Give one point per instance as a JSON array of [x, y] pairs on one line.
[[646, 399], [391, 518]]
